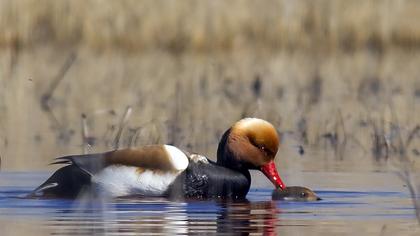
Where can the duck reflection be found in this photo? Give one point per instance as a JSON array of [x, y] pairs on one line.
[[162, 217], [243, 218]]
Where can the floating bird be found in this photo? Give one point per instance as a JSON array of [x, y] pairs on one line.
[[167, 171], [294, 193]]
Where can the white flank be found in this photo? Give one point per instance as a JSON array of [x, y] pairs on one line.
[[118, 180], [178, 158]]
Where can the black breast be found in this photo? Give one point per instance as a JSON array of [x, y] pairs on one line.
[[208, 180]]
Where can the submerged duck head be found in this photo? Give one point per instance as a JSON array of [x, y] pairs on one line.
[[294, 193], [251, 143]]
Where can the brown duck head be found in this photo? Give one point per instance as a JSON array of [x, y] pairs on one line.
[[295, 193], [251, 143]]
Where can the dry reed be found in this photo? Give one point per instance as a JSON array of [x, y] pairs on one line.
[[178, 26]]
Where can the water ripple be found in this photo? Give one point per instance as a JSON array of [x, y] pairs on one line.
[[154, 216]]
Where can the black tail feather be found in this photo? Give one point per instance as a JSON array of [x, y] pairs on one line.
[[60, 160], [66, 182], [90, 163]]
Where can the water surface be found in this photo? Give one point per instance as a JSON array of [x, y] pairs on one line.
[[378, 210]]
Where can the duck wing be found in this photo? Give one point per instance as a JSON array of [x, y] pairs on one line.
[[89, 163], [153, 157]]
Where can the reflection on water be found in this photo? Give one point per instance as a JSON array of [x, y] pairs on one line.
[[147, 216], [374, 212]]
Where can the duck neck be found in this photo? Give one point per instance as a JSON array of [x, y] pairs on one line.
[[226, 158]]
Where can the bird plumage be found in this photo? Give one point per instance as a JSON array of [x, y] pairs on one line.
[[165, 170]]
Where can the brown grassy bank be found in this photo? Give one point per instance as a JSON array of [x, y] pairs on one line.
[[339, 78], [211, 25], [347, 107]]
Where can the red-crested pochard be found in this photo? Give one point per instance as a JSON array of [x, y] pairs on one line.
[[164, 170], [295, 193]]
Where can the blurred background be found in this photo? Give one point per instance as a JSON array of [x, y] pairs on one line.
[[340, 80]]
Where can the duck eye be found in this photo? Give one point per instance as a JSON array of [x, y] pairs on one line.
[[303, 194], [265, 150]]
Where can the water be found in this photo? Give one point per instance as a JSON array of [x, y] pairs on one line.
[[381, 209]]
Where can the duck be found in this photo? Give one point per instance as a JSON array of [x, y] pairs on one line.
[[295, 193], [167, 171]]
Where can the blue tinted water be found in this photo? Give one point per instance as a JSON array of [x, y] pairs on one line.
[[337, 212]]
